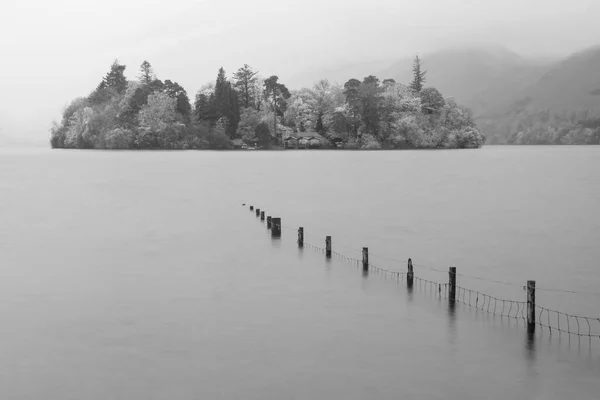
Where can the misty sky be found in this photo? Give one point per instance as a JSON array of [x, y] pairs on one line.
[[55, 50]]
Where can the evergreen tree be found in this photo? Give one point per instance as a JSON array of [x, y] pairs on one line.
[[319, 127], [221, 93], [418, 75], [279, 93], [200, 107], [115, 78], [226, 103], [370, 96], [245, 78], [113, 83], [354, 103], [204, 109], [146, 73], [175, 91]]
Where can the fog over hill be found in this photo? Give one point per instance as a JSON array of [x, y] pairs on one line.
[[60, 52], [507, 92]]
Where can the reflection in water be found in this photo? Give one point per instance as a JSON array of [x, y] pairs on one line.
[[300, 253], [409, 292], [328, 264], [452, 321], [530, 347]]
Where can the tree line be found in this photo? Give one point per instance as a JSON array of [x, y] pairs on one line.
[[524, 126], [148, 113]]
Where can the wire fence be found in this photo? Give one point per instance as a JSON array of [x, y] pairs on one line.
[[552, 320]]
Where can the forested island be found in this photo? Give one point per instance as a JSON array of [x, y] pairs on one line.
[[148, 113]]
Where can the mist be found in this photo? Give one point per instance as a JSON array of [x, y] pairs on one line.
[[54, 52]]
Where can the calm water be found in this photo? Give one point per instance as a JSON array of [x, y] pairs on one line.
[[139, 275]]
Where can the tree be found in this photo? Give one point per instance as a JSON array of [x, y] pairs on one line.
[[115, 78], [226, 103], [114, 83], [245, 78], [432, 100], [146, 73], [204, 109], [134, 99], [156, 119], [175, 91], [323, 94], [354, 104], [370, 99], [262, 135], [418, 75], [279, 94]]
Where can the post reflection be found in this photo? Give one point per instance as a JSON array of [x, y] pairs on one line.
[[530, 352], [409, 291], [452, 321]]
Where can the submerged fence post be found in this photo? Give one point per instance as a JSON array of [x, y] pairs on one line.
[[530, 306], [275, 227], [262, 215], [410, 274], [365, 258], [301, 237], [328, 246], [269, 222], [452, 291], [258, 212]]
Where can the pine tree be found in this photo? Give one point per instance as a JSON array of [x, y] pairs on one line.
[[221, 92], [352, 94], [418, 76], [146, 73], [245, 78], [116, 78], [319, 127], [113, 83], [279, 93], [226, 103]]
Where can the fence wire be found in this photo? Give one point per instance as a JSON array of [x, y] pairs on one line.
[[552, 320], [557, 321]]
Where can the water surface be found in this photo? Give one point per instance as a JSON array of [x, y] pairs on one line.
[[139, 275]]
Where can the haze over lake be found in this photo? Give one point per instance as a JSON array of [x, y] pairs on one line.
[[139, 275]]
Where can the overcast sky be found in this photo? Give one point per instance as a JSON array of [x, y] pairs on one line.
[[55, 50]]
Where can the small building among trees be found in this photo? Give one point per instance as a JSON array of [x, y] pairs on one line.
[[304, 140]]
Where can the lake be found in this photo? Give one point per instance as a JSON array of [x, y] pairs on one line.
[[140, 275]]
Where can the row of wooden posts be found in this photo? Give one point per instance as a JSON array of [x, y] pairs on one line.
[[274, 224]]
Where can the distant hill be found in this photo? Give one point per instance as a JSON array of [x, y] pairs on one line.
[[564, 97], [338, 74], [482, 78], [572, 84], [515, 99], [479, 78]]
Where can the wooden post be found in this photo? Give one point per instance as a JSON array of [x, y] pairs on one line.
[[452, 285], [301, 237], [531, 306], [365, 254], [258, 212], [410, 275], [328, 246], [269, 222], [275, 227], [262, 215], [251, 208]]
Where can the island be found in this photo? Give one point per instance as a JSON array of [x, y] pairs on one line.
[[252, 112]]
